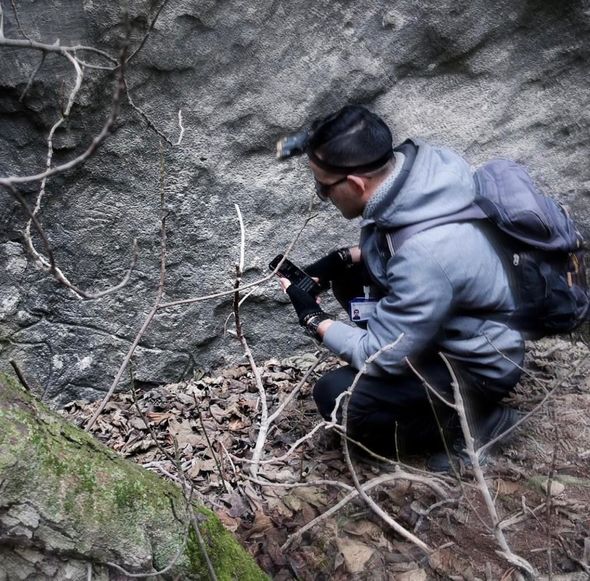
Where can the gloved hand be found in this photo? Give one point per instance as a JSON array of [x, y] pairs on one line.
[[304, 304], [330, 266]]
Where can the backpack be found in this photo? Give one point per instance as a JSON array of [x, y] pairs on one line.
[[537, 241]]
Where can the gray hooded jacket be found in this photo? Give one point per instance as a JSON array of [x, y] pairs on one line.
[[440, 282]]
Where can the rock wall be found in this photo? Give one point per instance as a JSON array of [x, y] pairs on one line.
[[505, 78]]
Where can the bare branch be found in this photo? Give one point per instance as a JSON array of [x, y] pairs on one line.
[[384, 478], [151, 27], [20, 375], [427, 385], [506, 551], [18, 24], [291, 449], [211, 450], [548, 495], [536, 379], [48, 263], [56, 48], [368, 500], [202, 547], [144, 115], [242, 287], [98, 139], [193, 517], [297, 389], [248, 353], [242, 241], [153, 311], [290, 485], [1, 23], [32, 77], [73, 93], [436, 483]]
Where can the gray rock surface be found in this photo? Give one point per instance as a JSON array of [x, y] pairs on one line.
[[507, 78]]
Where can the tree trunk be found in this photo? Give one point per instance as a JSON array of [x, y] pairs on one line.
[[69, 506]]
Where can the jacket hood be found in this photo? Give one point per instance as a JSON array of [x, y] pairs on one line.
[[439, 183]]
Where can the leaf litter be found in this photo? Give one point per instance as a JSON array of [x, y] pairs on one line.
[[213, 418]]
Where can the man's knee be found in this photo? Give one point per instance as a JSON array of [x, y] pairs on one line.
[[329, 387]]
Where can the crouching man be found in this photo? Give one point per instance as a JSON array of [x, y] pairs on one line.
[[441, 289]]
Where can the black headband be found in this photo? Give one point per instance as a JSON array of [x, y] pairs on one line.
[[351, 169]]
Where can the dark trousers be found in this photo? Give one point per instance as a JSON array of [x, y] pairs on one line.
[[394, 414]]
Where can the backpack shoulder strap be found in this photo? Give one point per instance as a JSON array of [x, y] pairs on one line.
[[396, 238]]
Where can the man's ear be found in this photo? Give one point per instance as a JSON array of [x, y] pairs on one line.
[[357, 183]]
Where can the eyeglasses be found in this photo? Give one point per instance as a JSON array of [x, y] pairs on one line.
[[323, 190]]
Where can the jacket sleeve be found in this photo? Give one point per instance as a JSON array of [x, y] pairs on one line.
[[418, 302]]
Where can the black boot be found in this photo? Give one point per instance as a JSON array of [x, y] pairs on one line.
[[485, 427]]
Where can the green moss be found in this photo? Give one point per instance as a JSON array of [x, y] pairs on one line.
[[194, 554], [228, 559]]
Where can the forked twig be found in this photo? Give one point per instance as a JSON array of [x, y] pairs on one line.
[[47, 262], [367, 486], [263, 430], [97, 140], [459, 406], [406, 534], [245, 286]]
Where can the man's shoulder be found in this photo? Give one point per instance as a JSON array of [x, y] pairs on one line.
[[445, 243]]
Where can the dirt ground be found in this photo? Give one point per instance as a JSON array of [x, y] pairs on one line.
[[540, 482]]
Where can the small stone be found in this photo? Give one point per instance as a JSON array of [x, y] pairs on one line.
[[20, 531], [554, 489], [29, 555], [9, 521], [26, 515]]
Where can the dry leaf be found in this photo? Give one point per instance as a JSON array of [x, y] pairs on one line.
[[355, 554], [507, 487], [278, 507], [413, 575], [235, 373], [159, 417], [184, 434], [313, 496], [293, 502], [238, 425], [261, 524], [363, 528], [218, 413], [137, 423], [228, 522], [446, 562]]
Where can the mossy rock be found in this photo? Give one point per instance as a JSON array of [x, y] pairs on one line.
[[64, 493]]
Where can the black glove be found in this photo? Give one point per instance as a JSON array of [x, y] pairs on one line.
[[309, 312], [330, 266], [304, 304]]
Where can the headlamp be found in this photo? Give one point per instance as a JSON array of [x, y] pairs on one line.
[[292, 145]]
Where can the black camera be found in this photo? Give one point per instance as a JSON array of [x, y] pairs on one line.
[[295, 275]]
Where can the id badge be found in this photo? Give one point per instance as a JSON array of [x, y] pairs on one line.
[[361, 309]]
